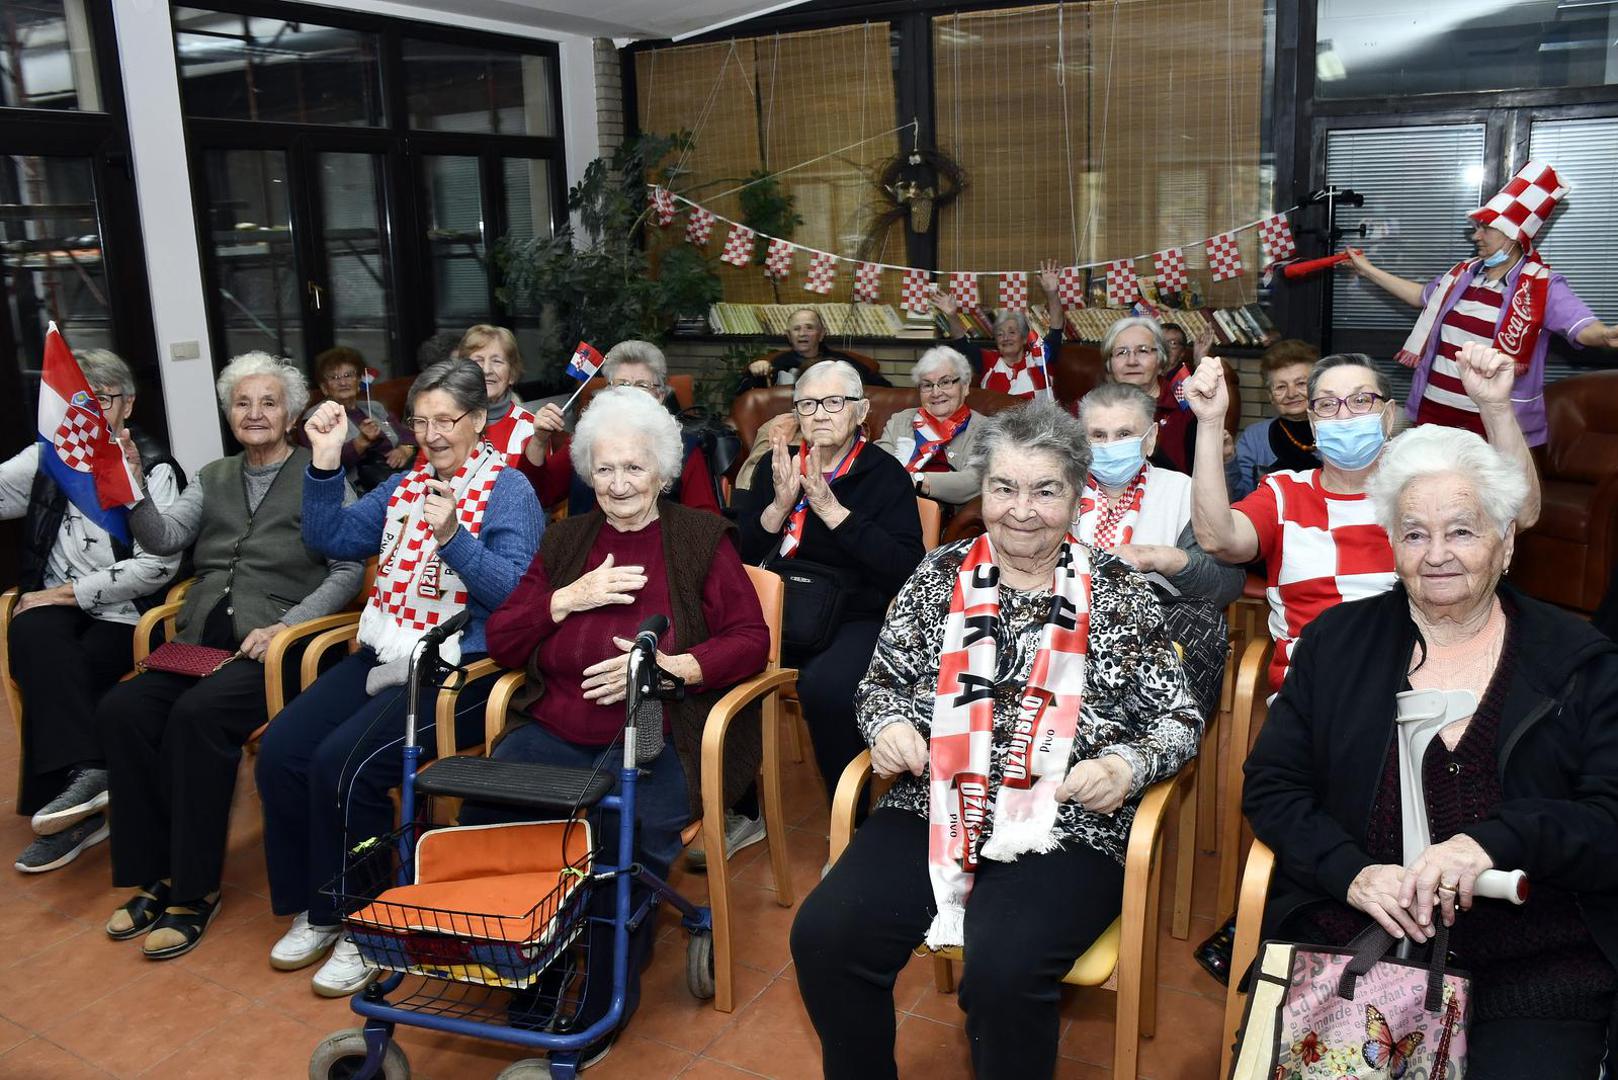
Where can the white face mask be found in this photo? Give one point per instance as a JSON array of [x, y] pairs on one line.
[[1497, 258]]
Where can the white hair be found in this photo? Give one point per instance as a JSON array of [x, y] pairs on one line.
[[840, 370], [1499, 485], [635, 351], [623, 410], [294, 389], [943, 356]]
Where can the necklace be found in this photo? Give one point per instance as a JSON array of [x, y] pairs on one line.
[[1307, 448]]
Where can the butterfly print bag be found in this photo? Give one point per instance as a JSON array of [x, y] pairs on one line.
[[1352, 1013]]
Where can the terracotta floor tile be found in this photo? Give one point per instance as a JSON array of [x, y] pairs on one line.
[[434, 1055], [935, 1051], [1089, 1033], [81, 890], [668, 1013], [806, 854], [1177, 966], [37, 1059], [709, 1069], [49, 985], [637, 1058], [943, 1008], [760, 929], [256, 1041], [776, 1040], [1187, 1042], [11, 1035], [28, 926], [1068, 1069], [915, 983]]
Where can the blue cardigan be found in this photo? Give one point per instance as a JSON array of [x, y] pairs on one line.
[[490, 563]]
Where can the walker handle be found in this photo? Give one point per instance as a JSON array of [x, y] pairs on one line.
[[1510, 885]]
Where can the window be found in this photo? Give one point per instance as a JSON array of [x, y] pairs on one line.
[[465, 88], [48, 60], [1578, 239], [250, 232]]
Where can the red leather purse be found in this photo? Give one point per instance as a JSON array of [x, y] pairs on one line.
[[178, 658]]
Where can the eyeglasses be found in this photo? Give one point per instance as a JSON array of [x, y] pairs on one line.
[[1357, 404], [420, 424], [649, 387], [1139, 350], [341, 376], [940, 384], [833, 404], [106, 400]]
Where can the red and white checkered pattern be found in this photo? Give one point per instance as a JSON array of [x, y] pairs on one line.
[[1321, 549], [73, 439], [1169, 264], [964, 288], [822, 272], [778, 260], [1070, 286], [699, 227], [1276, 236], [913, 297], [1014, 291], [738, 246], [1123, 287], [662, 205], [1524, 204], [1224, 257], [867, 283]]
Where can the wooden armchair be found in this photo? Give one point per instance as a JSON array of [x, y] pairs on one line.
[[1249, 921], [1248, 710]]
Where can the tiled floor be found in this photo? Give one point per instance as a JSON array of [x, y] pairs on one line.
[[74, 1004]]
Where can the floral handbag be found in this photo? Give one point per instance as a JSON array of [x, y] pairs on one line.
[[1330, 1014]]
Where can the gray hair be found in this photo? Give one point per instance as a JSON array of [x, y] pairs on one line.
[[1011, 316], [635, 351], [462, 380], [840, 370], [1114, 331], [1352, 359], [1108, 394], [1430, 450], [103, 367], [294, 389], [943, 356], [820, 323], [1039, 426], [623, 410]]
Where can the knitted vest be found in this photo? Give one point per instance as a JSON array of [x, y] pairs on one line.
[[257, 558], [694, 535]]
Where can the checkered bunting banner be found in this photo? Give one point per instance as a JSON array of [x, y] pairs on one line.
[[964, 288], [1070, 286], [1224, 258], [1276, 236], [917, 284], [1122, 286], [822, 272], [1169, 265], [699, 227], [1014, 291], [868, 283], [662, 205], [738, 246], [778, 260]]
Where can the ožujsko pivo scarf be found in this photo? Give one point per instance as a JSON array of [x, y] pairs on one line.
[[933, 434], [793, 534], [1522, 314], [958, 750], [415, 589]]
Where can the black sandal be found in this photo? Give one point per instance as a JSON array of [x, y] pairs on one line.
[[144, 909], [185, 924], [1215, 954]]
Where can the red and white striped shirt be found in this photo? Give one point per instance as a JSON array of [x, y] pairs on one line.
[[1473, 318], [1320, 549]]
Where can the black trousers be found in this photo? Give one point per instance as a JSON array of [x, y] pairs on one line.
[[63, 660], [1026, 922], [173, 746], [826, 684], [1536, 1050]]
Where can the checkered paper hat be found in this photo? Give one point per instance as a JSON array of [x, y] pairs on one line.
[[1524, 204]]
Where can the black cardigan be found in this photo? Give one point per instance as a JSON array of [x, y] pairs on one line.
[[881, 538], [1313, 774]]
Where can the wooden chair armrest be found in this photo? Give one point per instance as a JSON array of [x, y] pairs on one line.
[[146, 628], [717, 726], [179, 590], [1154, 806], [275, 656], [321, 644], [1249, 921], [843, 802], [8, 601], [8, 605], [494, 715], [444, 713]]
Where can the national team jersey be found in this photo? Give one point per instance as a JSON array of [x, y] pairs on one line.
[[1473, 318], [1319, 548]]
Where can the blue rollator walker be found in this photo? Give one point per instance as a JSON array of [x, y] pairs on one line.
[[515, 978]]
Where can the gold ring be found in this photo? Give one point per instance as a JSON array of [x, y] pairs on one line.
[[1446, 888]]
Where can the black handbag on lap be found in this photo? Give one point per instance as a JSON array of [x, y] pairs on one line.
[[813, 602]]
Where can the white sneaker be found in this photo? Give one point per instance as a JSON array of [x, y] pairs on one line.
[[344, 971], [740, 831], [303, 944]]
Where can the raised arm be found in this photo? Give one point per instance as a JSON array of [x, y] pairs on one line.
[[1398, 287], [1223, 532], [1050, 280], [144, 571], [945, 303], [1488, 376]]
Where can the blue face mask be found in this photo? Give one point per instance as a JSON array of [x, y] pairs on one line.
[[1497, 258], [1116, 462], [1350, 444]]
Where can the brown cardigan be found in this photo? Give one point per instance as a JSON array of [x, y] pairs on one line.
[[695, 536]]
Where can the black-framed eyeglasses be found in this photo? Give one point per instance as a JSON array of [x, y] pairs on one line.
[[832, 404], [106, 400], [1357, 404], [420, 424], [940, 384]]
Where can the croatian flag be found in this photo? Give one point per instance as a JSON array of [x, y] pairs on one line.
[[585, 363], [75, 447], [369, 376]]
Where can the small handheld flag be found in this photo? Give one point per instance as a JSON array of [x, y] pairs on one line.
[[367, 377], [76, 448], [583, 367]]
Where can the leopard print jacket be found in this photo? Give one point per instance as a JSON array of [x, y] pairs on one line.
[[1137, 702]]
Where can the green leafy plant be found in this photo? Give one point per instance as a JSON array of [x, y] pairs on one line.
[[768, 210], [716, 385]]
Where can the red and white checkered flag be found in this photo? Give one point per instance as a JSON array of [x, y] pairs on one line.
[[964, 288], [1276, 236], [917, 285], [1224, 258], [1169, 265], [662, 205], [1122, 285], [778, 259], [867, 283], [738, 246], [1070, 286], [822, 272], [699, 227], [1014, 291]]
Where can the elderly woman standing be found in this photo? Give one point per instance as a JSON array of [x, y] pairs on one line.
[[174, 742], [1029, 885], [378, 443], [1523, 775], [935, 441], [1284, 442], [847, 516], [453, 535], [1020, 362]]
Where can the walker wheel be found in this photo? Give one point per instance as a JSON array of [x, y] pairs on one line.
[[342, 1055], [527, 1069], [699, 965]]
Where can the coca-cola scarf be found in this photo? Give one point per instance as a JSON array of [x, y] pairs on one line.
[[959, 748], [1029, 377], [793, 536], [1522, 313], [933, 434]]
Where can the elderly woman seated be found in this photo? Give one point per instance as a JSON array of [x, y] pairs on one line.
[[174, 741], [548, 464], [451, 535], [509, 426], [806, 340], [1079, 722], [1523, 774], [935, 441], [1284, 442], [1020, 362], [571, 621], [1142, 514], [842, 517], [378, 443], [1134, 351]]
